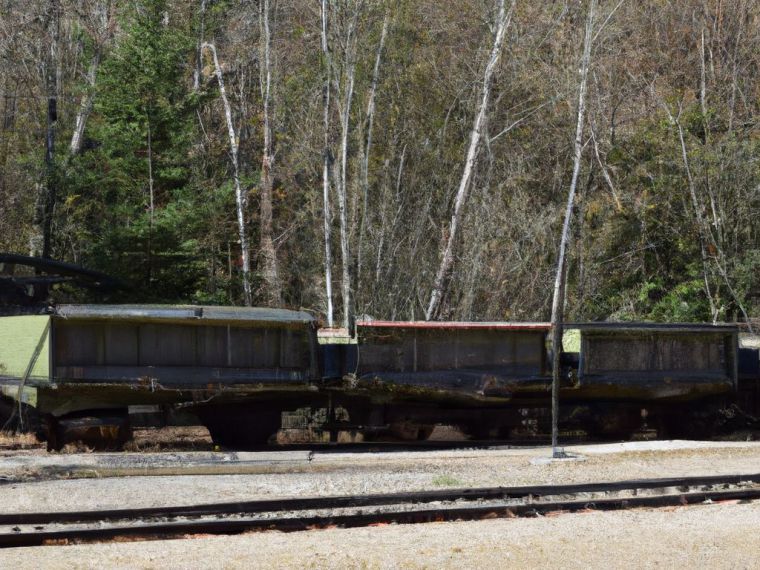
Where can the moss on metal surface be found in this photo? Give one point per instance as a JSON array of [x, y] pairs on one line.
[[571, 340], [19, 336]]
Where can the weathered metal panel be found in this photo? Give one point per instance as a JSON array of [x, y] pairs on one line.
[[212, 345], [295, 351], [634, 328], [77, 344], [154, 377], [122, 343], [495, 360], [453, 325], [255, 348], [167, 345], [657, 361], [155, 344], [415, 349], [655, 353]]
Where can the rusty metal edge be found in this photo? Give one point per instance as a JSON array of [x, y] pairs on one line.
[[454, 325]]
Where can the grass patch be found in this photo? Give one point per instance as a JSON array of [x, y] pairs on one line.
[[446, 481], [10, 441]]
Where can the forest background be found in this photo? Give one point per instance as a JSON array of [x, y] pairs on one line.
[[327, 154]]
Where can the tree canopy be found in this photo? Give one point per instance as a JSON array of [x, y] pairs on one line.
[[668, 190]]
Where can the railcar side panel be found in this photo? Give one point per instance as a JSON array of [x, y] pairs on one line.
[[653, 362], [479, 359]]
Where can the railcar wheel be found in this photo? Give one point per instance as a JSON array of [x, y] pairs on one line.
[[239, 427], [686, 424], [484, 431], [411, 431], [614, 424], [98, 429]]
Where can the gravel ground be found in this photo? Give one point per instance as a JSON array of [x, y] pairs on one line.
[[720, 536], [724, 535], [355, 473]]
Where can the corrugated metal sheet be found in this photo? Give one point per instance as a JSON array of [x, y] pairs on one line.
[[479, 359], [651, 361]]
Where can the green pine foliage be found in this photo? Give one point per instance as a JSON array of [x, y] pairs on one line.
[[145, 117]]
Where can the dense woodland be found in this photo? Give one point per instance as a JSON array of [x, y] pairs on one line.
[[403, 159]]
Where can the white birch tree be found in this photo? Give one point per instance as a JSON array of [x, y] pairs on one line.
[[370, 118], [101, 24], [240, 197], [271, 282], [447, 257], [343, 80], [327, 160]]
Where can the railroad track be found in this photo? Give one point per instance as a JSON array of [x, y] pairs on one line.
[[32, 529]]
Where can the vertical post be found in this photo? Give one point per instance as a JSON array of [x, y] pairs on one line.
[[559, 283]]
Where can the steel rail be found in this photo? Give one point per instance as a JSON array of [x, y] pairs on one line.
[[164, 527], [380, 499], [176, 529]]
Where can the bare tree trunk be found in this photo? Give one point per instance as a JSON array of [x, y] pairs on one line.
[[605, 174], [240, 197], [368, 147], [85, 106], [46, 190], [349, 70], [697, 213], [152, 202], [102, 28], [326, 166], [342, 198], [199, 47], [271, 282], [705, 235], [447, 258], [706, 127], [559, 282], [384, 217]]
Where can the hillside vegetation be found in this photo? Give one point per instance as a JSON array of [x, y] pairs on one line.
[[317, 154]]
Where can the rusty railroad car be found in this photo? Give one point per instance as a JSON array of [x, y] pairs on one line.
[[82, 368], [490, 377]]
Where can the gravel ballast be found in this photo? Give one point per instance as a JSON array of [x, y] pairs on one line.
[[724, 535], [361, 473], [720, 536]]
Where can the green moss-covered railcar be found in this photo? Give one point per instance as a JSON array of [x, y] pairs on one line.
[[107, 358]]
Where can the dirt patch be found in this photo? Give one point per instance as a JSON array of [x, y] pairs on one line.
[[186, 438]]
